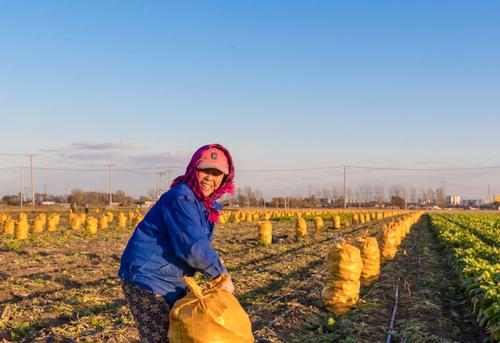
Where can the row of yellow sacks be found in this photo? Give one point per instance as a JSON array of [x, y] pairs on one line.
[[301, 230], [20, 228], [351, 265], [253, 216]]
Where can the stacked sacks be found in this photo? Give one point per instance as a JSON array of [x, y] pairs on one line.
[[43, 218], [23, 216], [22, 229], [368, 217], [122, 220], [222, 219], [75, 221], [91, 226], [370, 255], [131, 216], [266, 233], [53, 222], [236, 217], [300, 228], [38, 226], [341, 292], [110, 216], [103, 221], [346, 223], [137, 219], [390, 242], [318, 224], [210, 315], [355, 218], [336, 221], [249, 217], [9, 227]]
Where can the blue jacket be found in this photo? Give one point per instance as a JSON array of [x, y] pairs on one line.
[[171, 241]]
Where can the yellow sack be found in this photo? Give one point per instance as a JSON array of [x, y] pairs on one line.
[[341, 292], [266, 233], [300, 228], [336, 222], [210, 315], [390, 238], [370, 255], [318, 224]]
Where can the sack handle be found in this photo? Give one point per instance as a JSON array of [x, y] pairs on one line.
[[194, 287]]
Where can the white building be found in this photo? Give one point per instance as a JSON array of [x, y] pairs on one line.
[[453, 200]]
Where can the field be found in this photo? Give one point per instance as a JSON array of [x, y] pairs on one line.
[[62, 286]]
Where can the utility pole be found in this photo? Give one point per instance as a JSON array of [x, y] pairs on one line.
[[169, 179], [406, 202], [22, 185], [156, 187], [110, 186], [30, 156], [159, 182], [161, 177], [345, 202]]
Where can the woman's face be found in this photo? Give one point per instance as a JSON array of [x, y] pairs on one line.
[[210, 180]]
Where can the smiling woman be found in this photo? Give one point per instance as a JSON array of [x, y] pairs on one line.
[[212, 167], [173, 241]]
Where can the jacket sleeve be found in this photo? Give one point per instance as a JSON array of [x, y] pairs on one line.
[[189, 239]]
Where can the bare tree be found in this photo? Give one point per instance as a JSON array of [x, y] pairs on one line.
[[413, 195], [365, 192], [152, 193], [397, 190], [324, 193], [379, 193]]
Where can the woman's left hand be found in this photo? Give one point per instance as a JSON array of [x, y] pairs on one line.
[[227, 285]]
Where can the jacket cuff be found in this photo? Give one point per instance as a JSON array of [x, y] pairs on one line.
[[216, 269]]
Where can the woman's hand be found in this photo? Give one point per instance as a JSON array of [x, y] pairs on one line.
[[227, 285]]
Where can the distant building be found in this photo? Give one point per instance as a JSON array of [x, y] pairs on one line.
[[144, 204], [472, 202], [49, 203], [453, 200], [496, 198]]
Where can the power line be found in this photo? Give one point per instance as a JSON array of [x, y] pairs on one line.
[[276, 170], [426, 169]]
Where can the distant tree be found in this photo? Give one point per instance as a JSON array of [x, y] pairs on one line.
[[440, 197], [397, 190], [413, 195], [144, 198], [398, 201], [152, 193], [76, 196], [379, 193]]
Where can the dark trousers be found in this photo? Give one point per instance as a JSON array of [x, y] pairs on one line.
[[150, 311]]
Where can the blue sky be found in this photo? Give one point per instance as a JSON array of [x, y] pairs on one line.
[[283, 84]]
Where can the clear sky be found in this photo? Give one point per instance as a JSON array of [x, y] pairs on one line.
[[283, 84]]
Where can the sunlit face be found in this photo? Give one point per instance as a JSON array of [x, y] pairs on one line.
[[210, 180]]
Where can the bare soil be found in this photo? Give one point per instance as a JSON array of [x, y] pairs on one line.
[[63, 287]]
